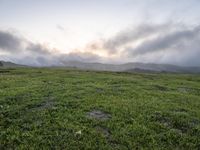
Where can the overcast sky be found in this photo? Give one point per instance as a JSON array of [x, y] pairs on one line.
[[51, 32]]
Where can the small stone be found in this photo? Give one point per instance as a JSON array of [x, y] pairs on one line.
[[78, 132]]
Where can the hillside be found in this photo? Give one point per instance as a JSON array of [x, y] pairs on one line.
[[10, 64], [127, 67], [45, 108], [133, 67]]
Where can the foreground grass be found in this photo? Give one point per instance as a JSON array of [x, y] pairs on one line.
[[48, 109]]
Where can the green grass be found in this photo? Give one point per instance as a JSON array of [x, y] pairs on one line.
[[45, 108]]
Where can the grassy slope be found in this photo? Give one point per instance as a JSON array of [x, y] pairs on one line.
[[44, 108]]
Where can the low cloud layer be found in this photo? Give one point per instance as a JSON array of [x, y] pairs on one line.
[[164, 43], [19, 50], [133, 34], [155, 43], [167, 41]]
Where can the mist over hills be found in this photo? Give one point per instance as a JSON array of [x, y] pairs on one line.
[[10, 64], [127, 67], [133, 67]]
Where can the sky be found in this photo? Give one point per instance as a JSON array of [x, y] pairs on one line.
[[52, 32]]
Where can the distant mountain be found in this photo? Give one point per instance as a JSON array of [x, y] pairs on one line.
[[132, 67], [127, 67], [10, 64]]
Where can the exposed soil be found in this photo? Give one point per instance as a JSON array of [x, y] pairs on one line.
[[103, 130], [98, 114]]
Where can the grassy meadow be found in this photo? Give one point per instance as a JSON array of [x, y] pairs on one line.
[[52, 108]]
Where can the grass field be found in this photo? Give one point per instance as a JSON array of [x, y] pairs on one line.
[[72, 109]]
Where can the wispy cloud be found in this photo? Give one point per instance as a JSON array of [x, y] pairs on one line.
[[59, 27]]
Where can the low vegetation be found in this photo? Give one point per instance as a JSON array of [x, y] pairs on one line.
[[48, 108]]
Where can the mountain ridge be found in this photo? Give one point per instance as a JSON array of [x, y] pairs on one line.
[[126, 67], [133, 67], [10, 64]]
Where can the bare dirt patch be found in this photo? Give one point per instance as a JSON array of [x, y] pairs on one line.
[[183, 89], [194, 123], [180, 127], [99, 90], [103, 130], [181, 110], [117, 145], [165, 121], [47, 104], [160, 88], [98, 114], [107, 134]]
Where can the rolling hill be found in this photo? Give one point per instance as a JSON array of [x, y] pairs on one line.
[[133, 67], [10, 64], [127, 67]]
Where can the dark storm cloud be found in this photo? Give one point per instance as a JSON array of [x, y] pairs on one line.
[[9, 42]]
